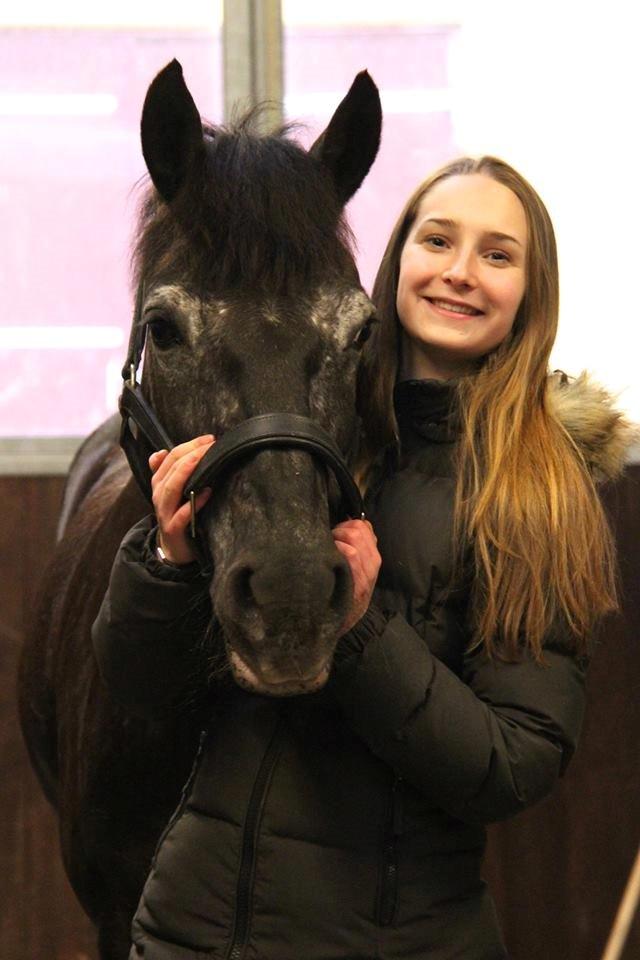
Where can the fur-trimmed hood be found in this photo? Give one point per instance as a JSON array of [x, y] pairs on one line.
[[600, 431]]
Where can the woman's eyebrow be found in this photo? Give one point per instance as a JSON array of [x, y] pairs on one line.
[[439, 221], [496, 235], [492, 234]]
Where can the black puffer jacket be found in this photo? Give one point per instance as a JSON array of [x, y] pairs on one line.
[[348, 824]]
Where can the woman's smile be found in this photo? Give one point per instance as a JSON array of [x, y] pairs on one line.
[[453, 308]]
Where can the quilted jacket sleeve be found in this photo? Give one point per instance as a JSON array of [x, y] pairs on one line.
[[481, 746], [147, 636]]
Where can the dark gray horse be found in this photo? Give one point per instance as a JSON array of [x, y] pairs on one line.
[[251, 303]]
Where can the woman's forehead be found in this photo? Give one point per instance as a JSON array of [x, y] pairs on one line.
[[474, 201]]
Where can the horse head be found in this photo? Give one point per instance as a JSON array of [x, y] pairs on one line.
[[251, 304]]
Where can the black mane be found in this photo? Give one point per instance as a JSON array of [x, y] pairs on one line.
[[263, 215]]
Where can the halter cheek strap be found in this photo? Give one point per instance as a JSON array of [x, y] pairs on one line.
[[141, 432]]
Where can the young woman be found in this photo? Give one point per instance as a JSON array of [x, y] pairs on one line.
[[457, 688]]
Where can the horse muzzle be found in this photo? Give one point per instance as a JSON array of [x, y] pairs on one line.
[[280, 621]]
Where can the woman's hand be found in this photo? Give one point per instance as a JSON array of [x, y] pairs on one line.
[[357, 543], [171, 470]]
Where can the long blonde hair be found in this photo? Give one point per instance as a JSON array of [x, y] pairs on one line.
[[526, 509]]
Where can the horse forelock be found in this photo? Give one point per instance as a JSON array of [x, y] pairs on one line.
[[262, 215]]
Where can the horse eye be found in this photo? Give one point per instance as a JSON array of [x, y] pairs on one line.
[[164, 333], [364, 332]]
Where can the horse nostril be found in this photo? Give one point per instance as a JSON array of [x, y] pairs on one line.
[[342, 586], [241, 590], [265, 590]]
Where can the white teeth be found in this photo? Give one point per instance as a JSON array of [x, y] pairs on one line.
[[455, 307]]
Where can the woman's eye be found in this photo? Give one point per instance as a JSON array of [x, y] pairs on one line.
[[164, 333], [438, 242], [498, 256]]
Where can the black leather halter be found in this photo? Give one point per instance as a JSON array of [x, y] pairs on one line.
[[273, 431], [142, 433]]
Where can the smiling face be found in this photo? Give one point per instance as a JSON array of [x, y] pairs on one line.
[[462, 276]]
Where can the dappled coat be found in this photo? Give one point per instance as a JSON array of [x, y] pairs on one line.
[[349, 824]]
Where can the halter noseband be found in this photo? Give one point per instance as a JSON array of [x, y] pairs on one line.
[[142, 433]]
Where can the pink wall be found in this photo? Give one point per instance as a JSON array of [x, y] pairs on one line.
[[68, 198]]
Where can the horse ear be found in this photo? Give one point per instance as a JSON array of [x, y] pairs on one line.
[[350, 143], [171, 131]]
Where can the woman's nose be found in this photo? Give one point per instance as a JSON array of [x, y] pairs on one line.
[[460, 271]]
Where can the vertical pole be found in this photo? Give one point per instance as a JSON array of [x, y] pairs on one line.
[[624, 917], [252, 56]]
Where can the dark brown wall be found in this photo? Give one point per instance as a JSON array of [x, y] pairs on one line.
[[39, 917], [557, 871]]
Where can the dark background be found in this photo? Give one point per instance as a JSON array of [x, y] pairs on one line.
[[557, 872]]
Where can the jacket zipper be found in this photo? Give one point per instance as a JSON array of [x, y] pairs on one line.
[[186, 792], [388, 890], [249, 845]]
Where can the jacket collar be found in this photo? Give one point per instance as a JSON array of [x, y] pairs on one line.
[[588, 413], [426, 408]]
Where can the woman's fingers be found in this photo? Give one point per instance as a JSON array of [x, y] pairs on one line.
[[182, 517], [167, 495], [156, 459], [354, 560], [363, 583], [182, 450], [168, 466], [171, 470], [356, 541], [359, 535], [355, 531]]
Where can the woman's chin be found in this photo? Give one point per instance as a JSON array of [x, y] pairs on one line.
[[276, 686]]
